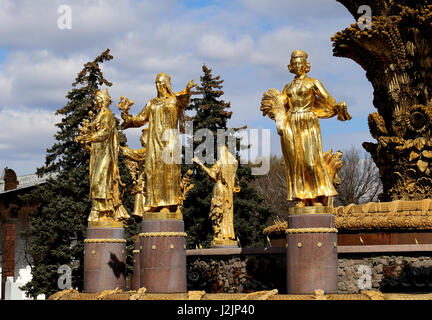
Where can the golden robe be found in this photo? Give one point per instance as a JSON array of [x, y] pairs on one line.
[[162, 178], [104, 172], [139, 190], [224, 174], [305, 169]]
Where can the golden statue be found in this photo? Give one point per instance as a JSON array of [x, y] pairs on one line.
[[101, 133], [223, 173], [135, 162], [310, 176], [165, 115]]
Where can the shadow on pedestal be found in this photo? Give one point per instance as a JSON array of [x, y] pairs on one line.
[[104, 259]]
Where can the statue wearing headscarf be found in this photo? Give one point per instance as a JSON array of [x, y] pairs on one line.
[[224, 174], [104, 173], [165, 115], [310, 174]]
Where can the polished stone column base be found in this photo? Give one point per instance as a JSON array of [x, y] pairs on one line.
[[104, 259], [311, 254], [163, 256]]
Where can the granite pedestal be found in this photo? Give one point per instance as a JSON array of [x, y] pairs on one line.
[[163, 255], [104, 259], [311, 253]]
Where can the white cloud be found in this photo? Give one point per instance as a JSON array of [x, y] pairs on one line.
[[274, 48], [246, 42], [219, 47], [33, 24], [37, 78], [25, 134], [296, 10]]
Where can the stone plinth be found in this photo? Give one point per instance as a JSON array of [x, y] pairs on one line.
[[163, 255], [225, 243], [311, 252], [104, 259]]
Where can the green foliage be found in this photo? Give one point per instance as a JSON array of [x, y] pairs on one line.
[[58, 227], [132, 225], [249, 212]]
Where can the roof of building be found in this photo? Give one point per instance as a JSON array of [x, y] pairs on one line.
[[26, 181]]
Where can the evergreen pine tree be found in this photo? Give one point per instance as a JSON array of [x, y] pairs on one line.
[[58, 227], [249, 213]]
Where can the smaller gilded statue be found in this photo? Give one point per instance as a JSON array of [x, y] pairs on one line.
[[99, 135], [224, 174], [135, 161], [310, 174]]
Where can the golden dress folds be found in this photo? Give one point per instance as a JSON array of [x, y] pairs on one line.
[[223, 173], [306, 174], [104, 172], [162, 178], [138, 156]]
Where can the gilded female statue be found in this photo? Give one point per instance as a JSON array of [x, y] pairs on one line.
[[224, 174], [135, 161], [165, 115], [102, 134], [310, 174]]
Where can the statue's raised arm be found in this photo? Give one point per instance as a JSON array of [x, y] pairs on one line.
[[224, 174]]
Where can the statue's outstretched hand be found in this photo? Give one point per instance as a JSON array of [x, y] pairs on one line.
[[126, 124], [191, 84], [124, 105], [342, 111]]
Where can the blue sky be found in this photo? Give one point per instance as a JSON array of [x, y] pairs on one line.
[[246, 42], [193, 4], [3, 54]]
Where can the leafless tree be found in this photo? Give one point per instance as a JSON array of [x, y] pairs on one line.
[[360, 181], [272, 187]]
